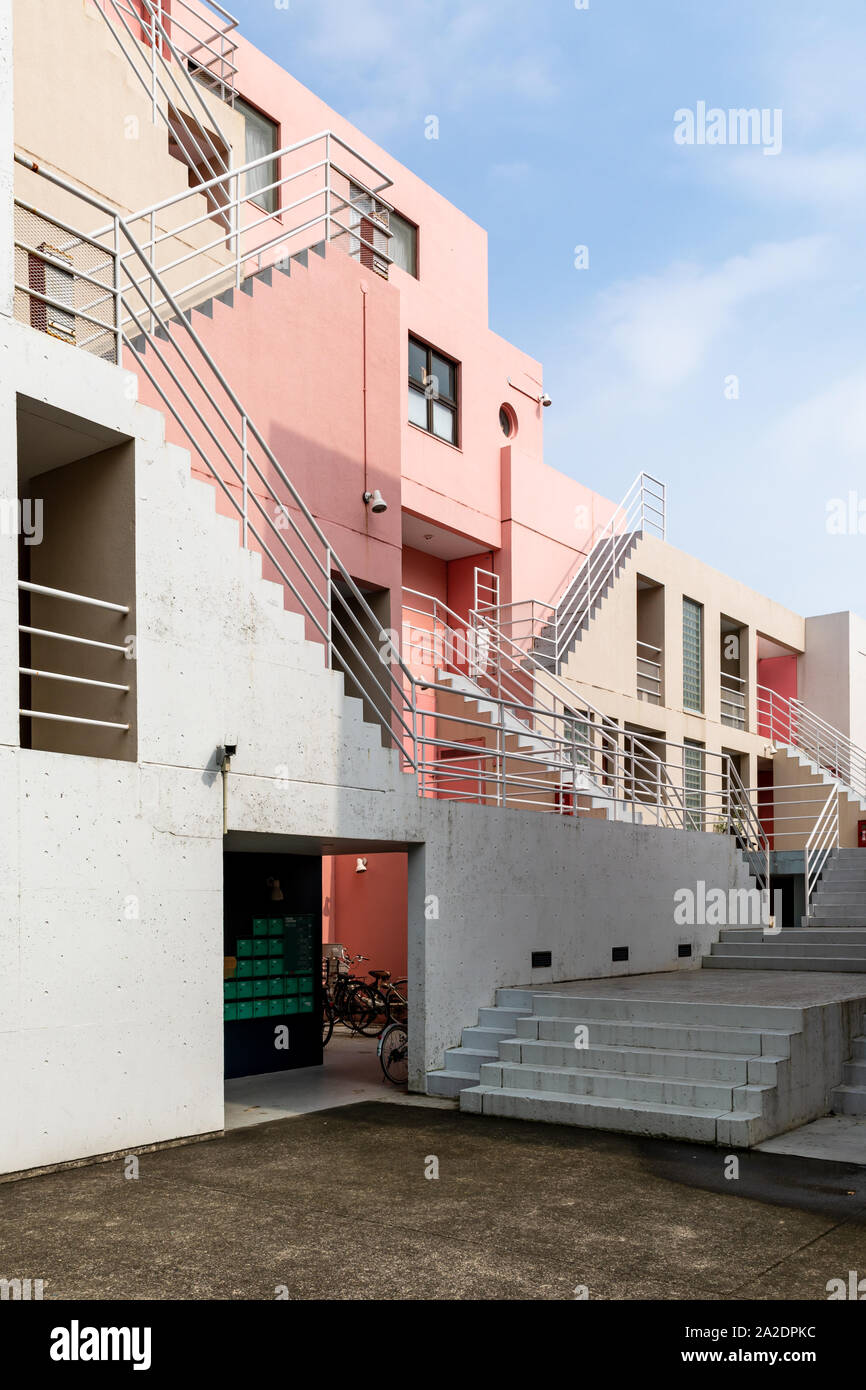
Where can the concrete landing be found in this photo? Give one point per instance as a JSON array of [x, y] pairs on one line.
[[834, 1138], [796, 988]]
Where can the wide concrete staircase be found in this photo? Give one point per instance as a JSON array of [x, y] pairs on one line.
[[710, 1073], [832, 937], [840, 897]]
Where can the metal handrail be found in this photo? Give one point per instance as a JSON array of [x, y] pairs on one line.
[[790, 722], [552, 626], [627, 771], [177, 74], [820, 844]]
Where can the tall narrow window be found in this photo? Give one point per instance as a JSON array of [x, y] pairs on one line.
[[693, 655], [260, 139], [403, 243], [432, 391], [693, 784]]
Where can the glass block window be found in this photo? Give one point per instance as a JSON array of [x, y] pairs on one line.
[[693, 783], [693, 655]]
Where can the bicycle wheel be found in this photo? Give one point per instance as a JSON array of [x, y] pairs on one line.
[[372, 1011], [327, 1022], [398, 1003], [357, 1008], [394, 1054]]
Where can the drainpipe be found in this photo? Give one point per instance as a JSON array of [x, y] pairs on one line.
[[364, 372]]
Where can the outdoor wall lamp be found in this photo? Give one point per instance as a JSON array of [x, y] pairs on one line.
[[360, 866], [770, 751], [541, 399], [375, 501]]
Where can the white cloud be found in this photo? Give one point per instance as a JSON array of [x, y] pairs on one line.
[[425, 57], [661, 326]]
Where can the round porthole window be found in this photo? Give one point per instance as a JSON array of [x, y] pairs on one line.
[[507, 421]]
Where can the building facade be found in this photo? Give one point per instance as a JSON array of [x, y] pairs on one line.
[[299, 625]]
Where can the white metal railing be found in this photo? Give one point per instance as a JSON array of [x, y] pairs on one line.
[[549, 723], [322, 190], [114, 281], [820, 845], [733, 700], [649, 673], [551, 629], [27, 631], [789, 722], [145, 32], [532, 743]]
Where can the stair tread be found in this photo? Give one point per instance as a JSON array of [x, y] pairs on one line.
[[616, 1103]]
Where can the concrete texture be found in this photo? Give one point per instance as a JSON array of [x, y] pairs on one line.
[[349, 1074], [835, 1138], [335, 1205]]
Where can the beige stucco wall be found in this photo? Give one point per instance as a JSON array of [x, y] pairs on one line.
[[603, 667]]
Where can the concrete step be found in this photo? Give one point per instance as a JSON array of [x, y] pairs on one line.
[[852, 936], [617, 1085], [831, 918], [737, 1129], [449, 1083], [854, 1073], [583, 1007], [484, 1039], [499, 1017], [657, 1037], [776, 947], [834, 896], [468, 1059], [764, 961], [848, 1100], [733, 1068]]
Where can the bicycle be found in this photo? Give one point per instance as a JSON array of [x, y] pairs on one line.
[[393, 1053], [348, 1000]]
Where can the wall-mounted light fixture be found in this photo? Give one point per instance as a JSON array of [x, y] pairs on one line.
[[375, 501], [360, 866], [541, 399]]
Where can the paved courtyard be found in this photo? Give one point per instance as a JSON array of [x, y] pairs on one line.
[[335, 1204]]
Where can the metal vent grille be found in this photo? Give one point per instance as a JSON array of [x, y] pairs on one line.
[[65, 284]]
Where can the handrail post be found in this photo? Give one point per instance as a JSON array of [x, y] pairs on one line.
[[245, 476], [328, 186], [118, 299]]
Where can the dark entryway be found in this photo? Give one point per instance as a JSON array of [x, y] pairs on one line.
[[272, 977]]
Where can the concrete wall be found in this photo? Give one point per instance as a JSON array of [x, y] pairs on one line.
[[498, 887]]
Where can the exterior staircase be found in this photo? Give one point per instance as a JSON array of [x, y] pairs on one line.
[[831, 938], [583, 599], [714, 1073], [839, 901], [849, 1098]]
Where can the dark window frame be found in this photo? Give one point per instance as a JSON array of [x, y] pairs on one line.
[[450, 404], [260, 201], [407, 221]]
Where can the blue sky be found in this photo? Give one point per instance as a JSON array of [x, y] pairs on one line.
[[706, 262]]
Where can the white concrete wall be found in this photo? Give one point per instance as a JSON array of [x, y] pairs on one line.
[[511, 883], [111, 886]]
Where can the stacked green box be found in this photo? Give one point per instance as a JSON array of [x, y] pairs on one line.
[[274, 970]]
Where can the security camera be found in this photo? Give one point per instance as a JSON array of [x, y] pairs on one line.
[[545, 399], [375, 501]]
